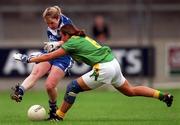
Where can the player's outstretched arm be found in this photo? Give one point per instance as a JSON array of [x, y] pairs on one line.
[[41, 58], [49, 56]]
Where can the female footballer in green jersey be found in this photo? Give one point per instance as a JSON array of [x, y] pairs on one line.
[[106, 69]]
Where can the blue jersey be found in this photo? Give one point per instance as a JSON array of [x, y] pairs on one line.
[[64, 62], [53, 34]]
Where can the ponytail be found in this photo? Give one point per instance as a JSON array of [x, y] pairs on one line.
[[80, 33]]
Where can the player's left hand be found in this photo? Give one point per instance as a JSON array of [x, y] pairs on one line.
[[51, 46], [21, 57]]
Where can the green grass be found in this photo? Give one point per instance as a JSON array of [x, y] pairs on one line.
[[95, 108]]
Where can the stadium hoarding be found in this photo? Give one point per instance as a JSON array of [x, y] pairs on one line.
[[134, 61], [173, 59]]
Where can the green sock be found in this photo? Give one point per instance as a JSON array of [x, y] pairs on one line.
[[161, 95], [158, 94]]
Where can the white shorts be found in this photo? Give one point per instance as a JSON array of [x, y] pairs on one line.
[[104, 73]]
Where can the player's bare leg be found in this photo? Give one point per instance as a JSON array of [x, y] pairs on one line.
[[71, 92], [38, 71], [53, 79], [129, 90]]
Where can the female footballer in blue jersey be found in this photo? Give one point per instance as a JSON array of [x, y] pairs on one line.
[[106, 69], [56, 68]]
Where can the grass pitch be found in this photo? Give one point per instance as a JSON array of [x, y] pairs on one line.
[[95, 108]]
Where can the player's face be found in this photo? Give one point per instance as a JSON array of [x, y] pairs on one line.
[[64, 37], [52, 23]]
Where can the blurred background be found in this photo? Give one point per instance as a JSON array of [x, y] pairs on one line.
[[144, 35]]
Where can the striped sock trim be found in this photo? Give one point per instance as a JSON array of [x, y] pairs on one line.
[[156, 94], [60, 113], [21, 90]]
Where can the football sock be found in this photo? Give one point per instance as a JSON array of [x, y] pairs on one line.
[[158, 94], [21, 90], [52, 105], [60, 113]]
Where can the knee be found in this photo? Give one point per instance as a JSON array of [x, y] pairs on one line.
[[49, 86], [71, 92], [74, 87], [129, 92]]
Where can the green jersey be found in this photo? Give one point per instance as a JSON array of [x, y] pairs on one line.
[[87, 50]]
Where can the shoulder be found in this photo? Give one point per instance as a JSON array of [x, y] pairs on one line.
[[71, 42], [65, 19]]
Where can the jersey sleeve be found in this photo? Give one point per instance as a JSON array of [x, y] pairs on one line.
[[69, 21], [66, 20]]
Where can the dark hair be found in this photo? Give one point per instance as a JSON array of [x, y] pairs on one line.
[[72, 30]]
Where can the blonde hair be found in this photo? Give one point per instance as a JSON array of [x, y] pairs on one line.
[[52, 12]]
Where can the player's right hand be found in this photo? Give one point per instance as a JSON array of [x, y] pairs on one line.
[[51, 46], [21, 57]]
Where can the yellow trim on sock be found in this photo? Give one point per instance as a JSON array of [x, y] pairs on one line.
[[60, 113], [156, 94]]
